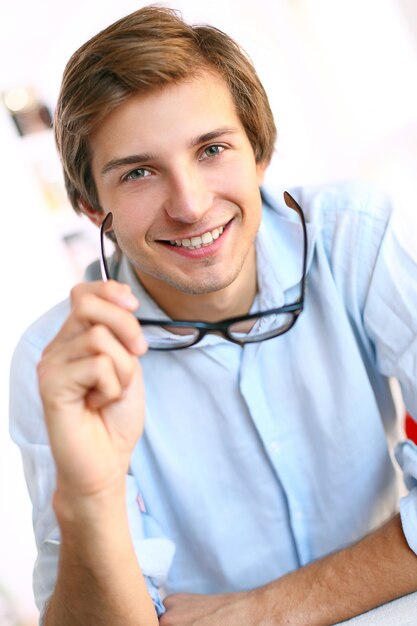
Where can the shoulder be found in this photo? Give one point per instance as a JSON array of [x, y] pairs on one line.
[[340, 217], [42, 331], [358, 199], [346, 215], [25, 410], [347, 223], [355, 200]]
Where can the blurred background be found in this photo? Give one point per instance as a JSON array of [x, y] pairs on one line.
[[342, 80]]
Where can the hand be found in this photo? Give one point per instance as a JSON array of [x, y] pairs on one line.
[[92, 389], [226, 609]]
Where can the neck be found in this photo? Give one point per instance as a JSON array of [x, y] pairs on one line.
[[231, 301]]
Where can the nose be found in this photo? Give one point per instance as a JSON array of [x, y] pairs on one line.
[[188, 196]]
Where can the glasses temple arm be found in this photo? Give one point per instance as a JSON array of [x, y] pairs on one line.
[[292, 204], [105, 226]]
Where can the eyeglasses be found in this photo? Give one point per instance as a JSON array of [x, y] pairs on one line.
[[246, 329]]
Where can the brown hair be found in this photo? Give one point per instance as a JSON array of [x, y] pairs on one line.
[[145, 50]]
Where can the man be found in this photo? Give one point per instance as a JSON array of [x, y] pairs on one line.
[[237, 473]]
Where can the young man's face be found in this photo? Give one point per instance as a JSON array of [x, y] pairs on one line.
[[178, 172]]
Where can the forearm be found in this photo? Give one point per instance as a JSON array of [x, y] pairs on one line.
[[99, 579], [376, 570], [92, 391]]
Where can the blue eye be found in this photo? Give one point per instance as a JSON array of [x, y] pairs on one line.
[[139, 172], [213, 150]]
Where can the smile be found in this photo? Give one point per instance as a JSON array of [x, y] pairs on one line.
[[200, 241]]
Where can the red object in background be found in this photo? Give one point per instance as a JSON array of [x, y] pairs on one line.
[[411, 428]]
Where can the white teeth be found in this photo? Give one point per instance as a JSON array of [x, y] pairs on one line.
[[207, 238], [197, 242]]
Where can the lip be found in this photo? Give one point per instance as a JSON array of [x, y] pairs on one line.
[[204, 251]]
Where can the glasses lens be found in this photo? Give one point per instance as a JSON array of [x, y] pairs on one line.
[[263, 327], [169, 337]]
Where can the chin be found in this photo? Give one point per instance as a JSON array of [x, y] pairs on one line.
[[194, 287], [209, 282]]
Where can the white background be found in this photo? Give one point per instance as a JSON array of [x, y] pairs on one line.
[[342, 80]]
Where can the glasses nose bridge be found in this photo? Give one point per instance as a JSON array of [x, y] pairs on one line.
[[217, 328]]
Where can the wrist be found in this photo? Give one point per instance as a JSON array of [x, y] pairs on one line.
[[73, 507], [295, 598], [95, 530]]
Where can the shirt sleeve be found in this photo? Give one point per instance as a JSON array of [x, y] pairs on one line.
[[154, 551], [390, 318]]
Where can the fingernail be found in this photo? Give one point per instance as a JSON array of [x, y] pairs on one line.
[[140, 345]]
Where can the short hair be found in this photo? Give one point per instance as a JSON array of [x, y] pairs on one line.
[[144, 51]]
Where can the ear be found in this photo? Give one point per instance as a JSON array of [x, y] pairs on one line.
[[95, 216]]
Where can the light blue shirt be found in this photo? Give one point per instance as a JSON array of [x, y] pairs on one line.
[[257, 460]]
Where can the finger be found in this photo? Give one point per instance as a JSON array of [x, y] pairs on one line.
[[104, 387], [95, 340], [65, 385], [90, 309], [111, 290]]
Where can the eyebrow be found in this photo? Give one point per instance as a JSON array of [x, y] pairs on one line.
[[134, 159], [214, 134]]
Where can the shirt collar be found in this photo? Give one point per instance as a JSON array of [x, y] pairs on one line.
[[279, 251]]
